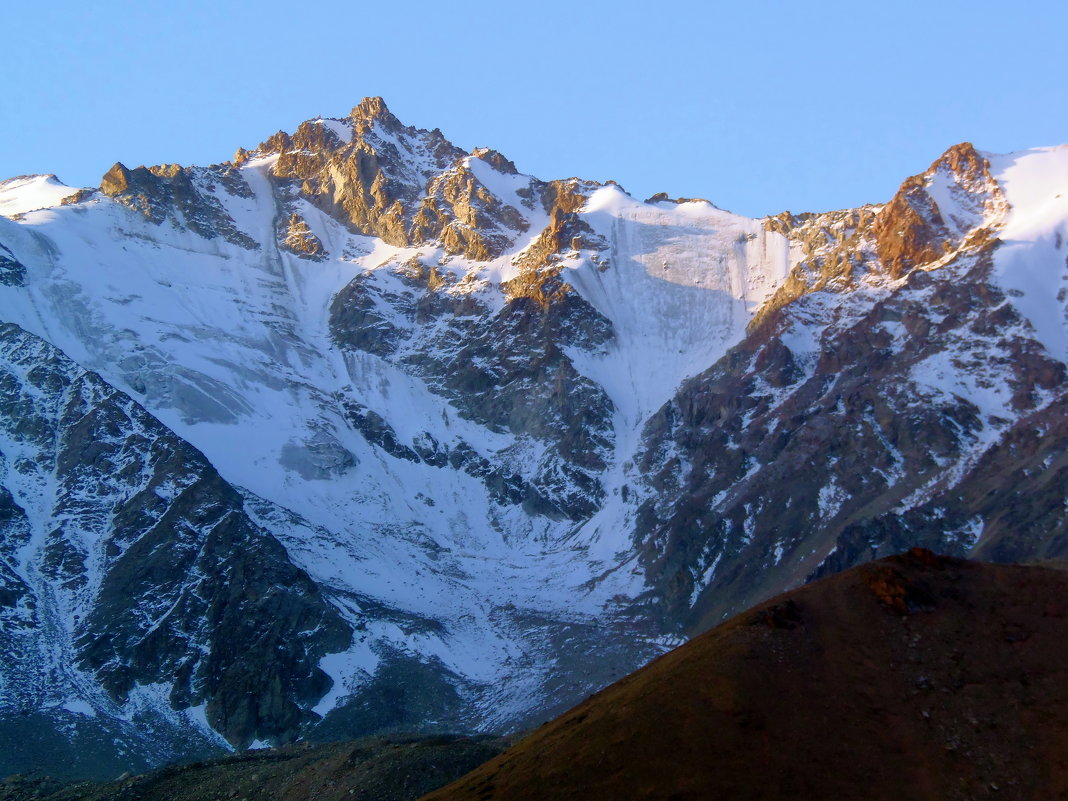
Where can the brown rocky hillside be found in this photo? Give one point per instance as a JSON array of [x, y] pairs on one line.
[[915, 676]]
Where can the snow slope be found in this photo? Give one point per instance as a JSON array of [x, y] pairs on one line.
[[1035, 183], [32, 192], [682, 284]]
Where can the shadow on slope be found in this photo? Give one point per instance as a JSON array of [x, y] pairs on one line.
[[392, 768]]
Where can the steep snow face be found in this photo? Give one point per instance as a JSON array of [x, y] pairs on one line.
[[231, 350], [1032, 264], [679, 282]]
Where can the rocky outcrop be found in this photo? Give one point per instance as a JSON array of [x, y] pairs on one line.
[[151, 575], [399, 183], [511, 373], [80, 196], [836, 251], [405, 185], [567, 233], [505, 486], [295, 236], [507, 370], [911, 232], [12, 271], [914, 229], [181, 195]]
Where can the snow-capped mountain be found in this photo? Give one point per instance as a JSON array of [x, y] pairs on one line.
[[361, 431]]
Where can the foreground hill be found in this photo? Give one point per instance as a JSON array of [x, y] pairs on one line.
[[392, 768], [915, 676]]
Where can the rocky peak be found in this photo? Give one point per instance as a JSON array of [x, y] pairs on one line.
[[369, 171], [115, 180], [496, 160], [406, 185], [965, 162], [933, 214], [952, 207], [371, 111]]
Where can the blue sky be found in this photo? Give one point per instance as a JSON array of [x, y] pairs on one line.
[[760, 107]]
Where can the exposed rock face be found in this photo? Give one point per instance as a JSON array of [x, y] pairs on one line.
[[296, 237], [836, 248], [385, 179], [506, 369], [541, 263], [1014, 493], [436, 408], [12, 272], [152, 575], [182, 196], [533, 390], [468, 218], [932, 214], [955, 205]]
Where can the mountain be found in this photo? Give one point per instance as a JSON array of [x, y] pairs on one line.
[[915, 676], [360, 432]]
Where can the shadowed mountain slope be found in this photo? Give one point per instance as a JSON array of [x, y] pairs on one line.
[[395, 768]]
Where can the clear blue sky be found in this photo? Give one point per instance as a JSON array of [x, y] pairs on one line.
[[759, 106]]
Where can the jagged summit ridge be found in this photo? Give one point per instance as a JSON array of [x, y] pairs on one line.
[[374, 109]]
